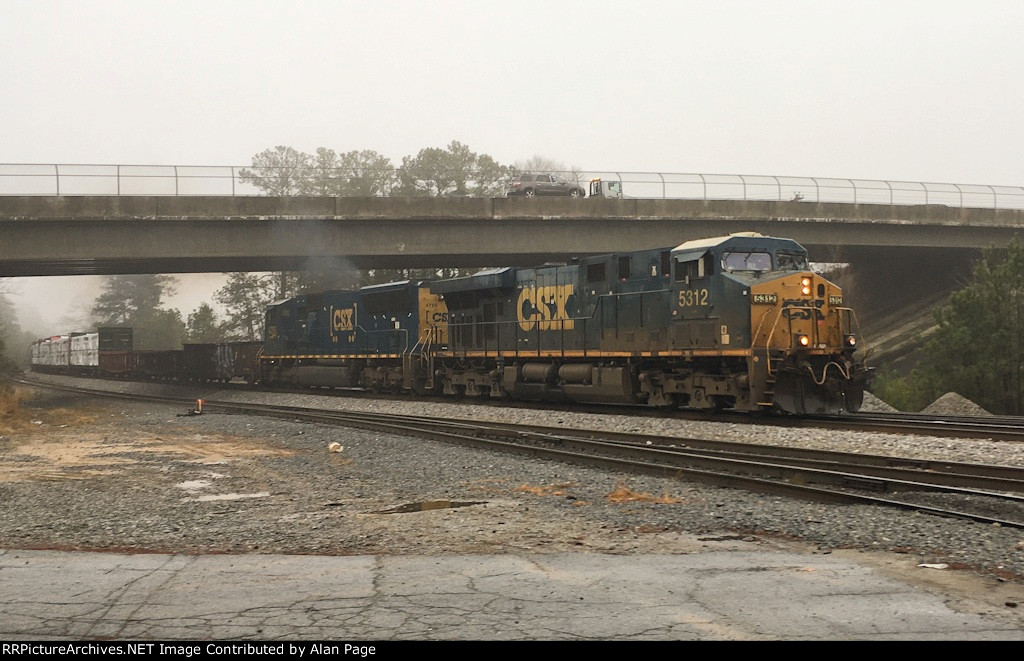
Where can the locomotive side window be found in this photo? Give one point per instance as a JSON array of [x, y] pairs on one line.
[[623, 268], [790, 261], [694, 269], [595, 272], [666, 264], [747, 261]]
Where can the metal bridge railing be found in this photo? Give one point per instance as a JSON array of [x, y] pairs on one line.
[[99, 179]]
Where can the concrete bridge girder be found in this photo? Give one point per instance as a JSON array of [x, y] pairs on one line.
[[110, 234]]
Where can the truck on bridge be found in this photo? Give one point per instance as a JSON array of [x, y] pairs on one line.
[[605, 188]]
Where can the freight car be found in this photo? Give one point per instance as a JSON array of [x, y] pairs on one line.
[[238, 360], [109, 352], [79, 353], [736, 322], [156, 364]]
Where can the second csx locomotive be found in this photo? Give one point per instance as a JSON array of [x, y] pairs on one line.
[[736, 322]]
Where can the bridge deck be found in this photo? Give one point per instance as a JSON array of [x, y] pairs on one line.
[[149, 234]]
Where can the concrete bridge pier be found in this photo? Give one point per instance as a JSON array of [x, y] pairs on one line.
[[896, 292]]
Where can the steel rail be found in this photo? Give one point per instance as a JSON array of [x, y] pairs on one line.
[[1002, 428]]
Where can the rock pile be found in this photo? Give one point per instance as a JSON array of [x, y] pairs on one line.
[[873, 404], [954, 404]]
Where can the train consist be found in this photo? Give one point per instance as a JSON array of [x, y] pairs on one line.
[[108, 353], [735, 322]]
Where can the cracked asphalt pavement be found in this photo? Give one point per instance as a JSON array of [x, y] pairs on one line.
[[721, 595]]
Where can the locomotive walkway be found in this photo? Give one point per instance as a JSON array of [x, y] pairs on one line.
[[97, 234]]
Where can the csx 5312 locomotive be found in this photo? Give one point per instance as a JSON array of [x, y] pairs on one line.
[[736, 322]]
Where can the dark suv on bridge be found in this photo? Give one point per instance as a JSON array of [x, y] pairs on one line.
[[532, 185]]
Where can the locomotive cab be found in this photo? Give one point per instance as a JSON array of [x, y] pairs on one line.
[[752, 295]]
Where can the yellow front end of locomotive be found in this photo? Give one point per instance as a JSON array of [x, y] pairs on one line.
[[801, 313]]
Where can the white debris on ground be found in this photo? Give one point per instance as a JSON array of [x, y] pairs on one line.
[[954, 404], [873, 404]]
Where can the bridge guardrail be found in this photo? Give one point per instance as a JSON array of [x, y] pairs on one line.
[[101, 179]]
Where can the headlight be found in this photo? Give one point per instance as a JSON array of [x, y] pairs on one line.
[[805, 286], [803, 341], [851, 341]]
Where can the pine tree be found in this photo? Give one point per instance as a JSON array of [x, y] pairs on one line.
[[978, 348], [245, 297], [202, 326]]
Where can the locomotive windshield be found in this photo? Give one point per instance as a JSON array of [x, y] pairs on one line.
[[792, 261], [747, 261]]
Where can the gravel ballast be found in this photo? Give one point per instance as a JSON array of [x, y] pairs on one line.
[[133, 476]]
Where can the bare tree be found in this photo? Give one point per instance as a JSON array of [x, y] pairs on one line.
[[279, 171], [542, 165], [453, 171]]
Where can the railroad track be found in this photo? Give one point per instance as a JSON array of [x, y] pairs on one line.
[[984, 493], [1000, 428]]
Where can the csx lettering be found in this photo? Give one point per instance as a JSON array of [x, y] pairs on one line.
[[544, 308], [801, 308], [440, 317], [343, 319], [691, 297]]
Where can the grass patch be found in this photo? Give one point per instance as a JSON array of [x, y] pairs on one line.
[[545, 490], [623, 494], [10, 403], [16, 414]]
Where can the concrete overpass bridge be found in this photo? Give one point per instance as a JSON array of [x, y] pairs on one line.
[[905, 258], [67, 235]]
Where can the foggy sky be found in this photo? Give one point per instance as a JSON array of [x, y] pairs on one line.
[[919, 91]]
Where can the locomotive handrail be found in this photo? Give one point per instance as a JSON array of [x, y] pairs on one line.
[[858, 332], [425, 355], [403, 331], [768, 340]]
